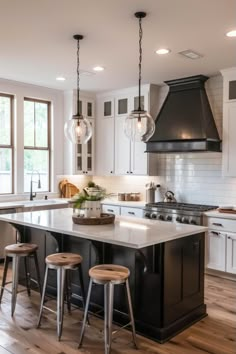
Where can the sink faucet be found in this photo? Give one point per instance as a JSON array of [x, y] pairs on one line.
[[33, 195]]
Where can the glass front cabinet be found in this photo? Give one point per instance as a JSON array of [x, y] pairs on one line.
[[84, 154]]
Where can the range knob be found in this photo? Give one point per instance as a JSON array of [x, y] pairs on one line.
[[169, 218], [161, 217], [178, 219], [153, 216], [193, 222], [147, 215], [185, 220]]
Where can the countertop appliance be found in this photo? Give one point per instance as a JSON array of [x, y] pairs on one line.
[[177, 212], [170, 197]]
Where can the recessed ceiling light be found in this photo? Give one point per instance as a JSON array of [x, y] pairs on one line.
[[231, 33], [190, 54], [60, 78], [162, 51], [98, 68]]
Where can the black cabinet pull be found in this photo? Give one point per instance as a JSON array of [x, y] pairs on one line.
[[131, 172], [111, 172], [131, 213], [112, 211], [215, 233], [127, 172], [229, 238], [217, 224]]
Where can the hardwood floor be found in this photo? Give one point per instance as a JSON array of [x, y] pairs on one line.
[[215, 334]]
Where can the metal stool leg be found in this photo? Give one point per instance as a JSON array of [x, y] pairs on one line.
[[15, 274], [43, 296], [131, 313], [68, 290], [37, 272], [82, 285], [85, 313], [27, 274], [108, 317], [6, 263], [60, 299]]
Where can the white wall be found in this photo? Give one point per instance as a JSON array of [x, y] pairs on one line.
[[21, 90], [194, 178]]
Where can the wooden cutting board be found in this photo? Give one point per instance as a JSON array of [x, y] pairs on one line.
[[67, 189]]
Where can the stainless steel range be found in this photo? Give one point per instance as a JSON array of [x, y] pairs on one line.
[[177, 212]]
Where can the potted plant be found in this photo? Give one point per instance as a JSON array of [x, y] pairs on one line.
[[89, 203]]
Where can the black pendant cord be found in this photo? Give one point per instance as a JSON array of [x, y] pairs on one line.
[[140, 63], [78, 79]]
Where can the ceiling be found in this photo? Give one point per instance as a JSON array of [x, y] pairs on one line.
[[37, 45]]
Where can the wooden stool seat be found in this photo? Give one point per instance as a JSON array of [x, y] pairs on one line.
[[64, 259], [109, 272], [21, 248]]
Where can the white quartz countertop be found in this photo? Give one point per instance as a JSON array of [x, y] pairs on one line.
[[32, 203], [126, 231], [217, 214]]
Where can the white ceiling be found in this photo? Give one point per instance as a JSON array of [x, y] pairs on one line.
[[37, 45]]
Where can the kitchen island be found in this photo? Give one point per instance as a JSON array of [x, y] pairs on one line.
[[166, 261]]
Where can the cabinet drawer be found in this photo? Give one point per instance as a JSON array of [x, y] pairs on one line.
[[221, 224], [112, 209], [136, 212]]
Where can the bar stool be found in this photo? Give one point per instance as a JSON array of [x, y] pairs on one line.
[[16, 251], [109, 275], [61, 262]]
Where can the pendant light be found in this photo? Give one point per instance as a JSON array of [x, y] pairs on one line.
[[139, 125], [78, 129]]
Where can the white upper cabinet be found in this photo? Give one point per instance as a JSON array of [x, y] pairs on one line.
[[79, 159], [118, 155], [229, 122]]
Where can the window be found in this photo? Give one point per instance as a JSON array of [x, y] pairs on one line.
[[6, 144], [36, 144]]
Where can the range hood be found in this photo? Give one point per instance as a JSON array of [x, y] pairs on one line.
[[185, 122]]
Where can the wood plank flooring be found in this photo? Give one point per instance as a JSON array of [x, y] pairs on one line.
[[215, 334]]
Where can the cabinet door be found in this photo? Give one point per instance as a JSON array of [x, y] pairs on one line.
[[229, 139], [139, 159], [215, 250], [122, 106], [231, 253], [88, 153], [84, 161], [122, 148], [107, 146]]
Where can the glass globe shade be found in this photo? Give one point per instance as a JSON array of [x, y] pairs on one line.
[[139, 126], [78, 130]]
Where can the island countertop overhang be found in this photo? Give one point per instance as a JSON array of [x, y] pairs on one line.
[[126, 231]]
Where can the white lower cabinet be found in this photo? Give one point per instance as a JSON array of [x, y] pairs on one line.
[[221, 244], [215, 250], [231, 253]]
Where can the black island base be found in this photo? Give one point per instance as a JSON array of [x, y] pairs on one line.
[[166, 280]]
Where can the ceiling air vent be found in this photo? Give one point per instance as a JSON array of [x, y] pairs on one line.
[[190, 54]]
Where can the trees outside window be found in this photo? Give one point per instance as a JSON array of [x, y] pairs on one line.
[[36, 143], [6, 144]]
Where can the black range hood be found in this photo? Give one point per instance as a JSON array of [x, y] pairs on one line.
[[185, 122]]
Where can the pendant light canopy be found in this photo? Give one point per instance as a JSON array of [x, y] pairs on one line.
[[139, 125], [78, 129]]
